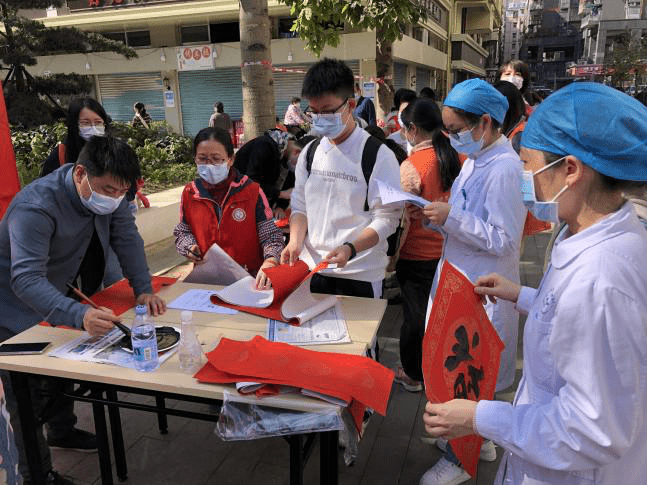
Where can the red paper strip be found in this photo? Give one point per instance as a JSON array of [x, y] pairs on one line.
[[343, 376], [285, 279], [461, 353], [120, 297]]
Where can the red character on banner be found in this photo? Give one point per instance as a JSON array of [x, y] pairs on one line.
[[461, 353], [93, 3], [197, 54], [187, 53], [206, 51]]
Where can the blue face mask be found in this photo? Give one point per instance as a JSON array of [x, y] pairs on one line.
[[329, 125], [213, 174], [101, 204], [543, 211], [464, 142]]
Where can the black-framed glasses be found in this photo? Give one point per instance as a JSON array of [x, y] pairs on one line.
[[329, 112]]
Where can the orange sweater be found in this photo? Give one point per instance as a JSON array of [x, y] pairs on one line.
[[420, 175]]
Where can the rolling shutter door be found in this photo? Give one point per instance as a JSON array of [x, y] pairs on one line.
[[119, 92], [287, 85], [399, 75], [199, 90], [423, 77]]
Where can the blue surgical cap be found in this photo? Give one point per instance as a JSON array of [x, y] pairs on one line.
[[478, 97], [602, 127]]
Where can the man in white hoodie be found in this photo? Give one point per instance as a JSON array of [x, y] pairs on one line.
[[336, 215]]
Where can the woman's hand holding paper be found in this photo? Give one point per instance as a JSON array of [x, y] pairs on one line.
[[495, 286], [451, 419], [262, 281]]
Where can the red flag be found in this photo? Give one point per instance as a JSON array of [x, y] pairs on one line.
[[461, 353], [10, 183]]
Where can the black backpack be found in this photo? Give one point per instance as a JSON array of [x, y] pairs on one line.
[[369, 157]]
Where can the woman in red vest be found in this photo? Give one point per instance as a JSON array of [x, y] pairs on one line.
[[226, 208], [429, 172]]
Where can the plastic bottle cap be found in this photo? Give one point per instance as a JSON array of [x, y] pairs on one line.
[[186, 316], [141, 310]]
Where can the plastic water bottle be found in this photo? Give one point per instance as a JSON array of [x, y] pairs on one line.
[[190, 351], [144, 341]]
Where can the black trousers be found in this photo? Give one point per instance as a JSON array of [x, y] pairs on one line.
[[331, 285], [415, 279]]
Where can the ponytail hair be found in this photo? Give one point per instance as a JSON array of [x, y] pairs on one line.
[[425, 114]]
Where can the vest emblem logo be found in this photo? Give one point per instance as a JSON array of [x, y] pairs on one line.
[[239, 214]]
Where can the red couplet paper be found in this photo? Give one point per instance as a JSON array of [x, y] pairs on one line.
[[285, 279], [347, 377], [120, 298], [10, 180], [461, 353]]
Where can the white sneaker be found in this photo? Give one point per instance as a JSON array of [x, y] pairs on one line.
[[488, 450], [444, 472]]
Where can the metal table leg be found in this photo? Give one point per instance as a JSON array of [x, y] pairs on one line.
[[296, 459], [329, 460], [162, 420], [20, 384], [118, 447], [103, 444]]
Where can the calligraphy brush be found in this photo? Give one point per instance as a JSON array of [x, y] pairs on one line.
[[80, 294]]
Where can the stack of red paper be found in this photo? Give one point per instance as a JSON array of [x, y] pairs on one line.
[[345, 377]]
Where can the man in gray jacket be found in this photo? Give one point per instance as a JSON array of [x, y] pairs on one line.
[[44, 237]]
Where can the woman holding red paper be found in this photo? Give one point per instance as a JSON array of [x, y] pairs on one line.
[[580, 413], [226, 208]]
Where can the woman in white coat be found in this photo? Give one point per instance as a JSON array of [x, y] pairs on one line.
[[580, 413], [483, 223]]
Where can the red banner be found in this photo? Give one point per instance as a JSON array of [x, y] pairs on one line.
[[11, 182], [461, 351]]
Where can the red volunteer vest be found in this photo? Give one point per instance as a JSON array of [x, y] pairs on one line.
[[236, 232]]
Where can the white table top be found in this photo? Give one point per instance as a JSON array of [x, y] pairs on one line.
[[362, 315]]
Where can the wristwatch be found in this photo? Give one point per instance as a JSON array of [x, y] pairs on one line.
[[353, 251]]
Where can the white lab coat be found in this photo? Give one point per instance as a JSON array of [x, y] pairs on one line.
[[580, 413], [483, 235]]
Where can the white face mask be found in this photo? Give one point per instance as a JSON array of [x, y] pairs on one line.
[[101, 204], [465, 143], [544, 211], [514, 79], [213, 174], [88, 132]]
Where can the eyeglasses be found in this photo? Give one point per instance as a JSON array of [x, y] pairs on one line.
[[329, 112], [87, 123], [212, 161]]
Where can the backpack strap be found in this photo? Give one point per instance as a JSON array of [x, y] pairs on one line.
[[310, 154], [62, 155], [369, 157]]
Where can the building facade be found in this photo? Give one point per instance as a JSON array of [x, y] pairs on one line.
[[514, 26], [605, 23], [189, 53], [552, 41]]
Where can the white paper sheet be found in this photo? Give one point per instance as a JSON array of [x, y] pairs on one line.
[[328, 327], [199, 301], [244, 293], [102, 350], [218, 269], [391, 195]]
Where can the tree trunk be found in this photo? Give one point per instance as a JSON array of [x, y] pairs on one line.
[[384, 71], [256, 68]]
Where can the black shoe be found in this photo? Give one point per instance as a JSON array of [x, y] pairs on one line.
[[77, 440], [54, 478]]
